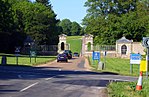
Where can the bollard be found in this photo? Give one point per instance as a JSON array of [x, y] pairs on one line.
[[100, 66], [4, 60]]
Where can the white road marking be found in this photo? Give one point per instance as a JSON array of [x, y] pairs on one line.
[[19, 76], [29, 86], [49, 78], [110, 79]]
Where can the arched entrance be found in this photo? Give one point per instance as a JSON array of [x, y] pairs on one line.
[[88, 46], [62, 46], [123, 49]]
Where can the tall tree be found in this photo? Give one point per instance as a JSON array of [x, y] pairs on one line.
[[37, 21], [114, 18], [6, 25], [44, 2], [75, 28], [66, 26]]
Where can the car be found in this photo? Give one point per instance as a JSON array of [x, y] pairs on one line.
[[68, 53], [75, 54], [62, 57]]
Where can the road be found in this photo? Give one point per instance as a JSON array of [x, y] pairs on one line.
[[54, 79]]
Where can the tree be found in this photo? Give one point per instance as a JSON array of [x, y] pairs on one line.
[[44, 2], [110, 20], [75, 28], [66, 26], [37, 20], [6, 25]]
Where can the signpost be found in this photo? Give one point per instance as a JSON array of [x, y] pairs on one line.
[[17, 53], [146, 44], [105, 54], [96, 56], [134, 59], [32, 54]]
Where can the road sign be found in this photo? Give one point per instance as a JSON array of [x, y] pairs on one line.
[[143, 65], [146, 41], [96, 56], [32, 53], [135, 59], [17, 51]]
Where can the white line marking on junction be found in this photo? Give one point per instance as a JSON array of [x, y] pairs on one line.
[[49, 78], [19, 76], [29, 86], [110, 79]]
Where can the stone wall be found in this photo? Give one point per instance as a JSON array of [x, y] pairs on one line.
[[138, 48]]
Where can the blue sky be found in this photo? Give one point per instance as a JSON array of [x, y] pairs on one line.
[[73, 10]]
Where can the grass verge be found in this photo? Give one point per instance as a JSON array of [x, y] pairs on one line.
[[26, 60], [128, 89], [116, 65], [122, 67]]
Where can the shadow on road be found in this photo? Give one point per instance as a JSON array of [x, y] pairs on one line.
[[28, 72], [87, 82]]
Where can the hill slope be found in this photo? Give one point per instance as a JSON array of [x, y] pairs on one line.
[[75, 43]]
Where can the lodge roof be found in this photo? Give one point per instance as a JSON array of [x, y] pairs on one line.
[[124, 40]]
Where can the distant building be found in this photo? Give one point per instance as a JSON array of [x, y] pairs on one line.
[[62, 45], [125, 47]]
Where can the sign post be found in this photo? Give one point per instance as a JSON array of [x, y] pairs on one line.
[[134, 59], [147, 62], [146, 44], [105, 54], [17, 53], [32, 54], [96, 56]]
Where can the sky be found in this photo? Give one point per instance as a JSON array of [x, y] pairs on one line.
[[73, 10]]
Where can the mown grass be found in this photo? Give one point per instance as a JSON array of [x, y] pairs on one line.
[[122, 67], [25, 59], [116, 65], [75, 43], [128, 89]]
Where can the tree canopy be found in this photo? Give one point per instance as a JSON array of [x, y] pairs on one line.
[[109, 20], [22, 18], [70, 28]]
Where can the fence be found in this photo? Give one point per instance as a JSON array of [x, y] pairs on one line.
[[41, 49], [104, 48], [110, 49]]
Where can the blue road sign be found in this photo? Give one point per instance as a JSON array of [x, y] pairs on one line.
[[96, 56], [135, 58]]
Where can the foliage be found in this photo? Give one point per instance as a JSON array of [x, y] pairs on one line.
[[66, 26], [70, 28], [6, 25], [38, 20], [22, 18], [110, 20], [44, 2]]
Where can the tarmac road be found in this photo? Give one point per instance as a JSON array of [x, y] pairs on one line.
[[54, 79]]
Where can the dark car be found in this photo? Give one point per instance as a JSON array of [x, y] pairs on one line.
[[68, 53], [62, 57], [75, 54]]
